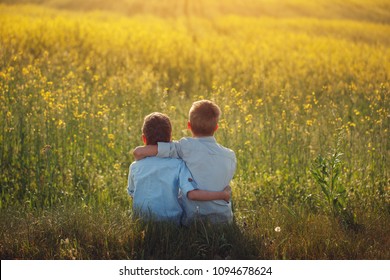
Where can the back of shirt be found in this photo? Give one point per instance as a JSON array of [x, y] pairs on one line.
[[212, 167], [154, 185]]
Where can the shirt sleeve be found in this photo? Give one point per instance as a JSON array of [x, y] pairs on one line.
[[186, 181], [169, 149], [130, 184]]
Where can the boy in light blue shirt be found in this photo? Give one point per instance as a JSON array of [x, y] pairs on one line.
[[154, 183], [211, 164]]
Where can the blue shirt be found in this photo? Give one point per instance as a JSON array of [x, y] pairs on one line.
[[212, 166], [154, 184]]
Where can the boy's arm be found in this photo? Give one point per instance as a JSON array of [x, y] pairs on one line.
[[206, 195], [141, 152], [163, 150], [170, 149], [190, 188]]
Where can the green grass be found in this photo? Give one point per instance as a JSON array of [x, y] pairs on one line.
[[74, 232]]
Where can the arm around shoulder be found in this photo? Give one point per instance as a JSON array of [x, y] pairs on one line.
[[141, 152]]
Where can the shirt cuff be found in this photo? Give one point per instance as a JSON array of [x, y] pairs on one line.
[[190, 186], [163, 149]]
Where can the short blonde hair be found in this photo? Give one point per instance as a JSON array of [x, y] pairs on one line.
[[157, 128], [204, 116]]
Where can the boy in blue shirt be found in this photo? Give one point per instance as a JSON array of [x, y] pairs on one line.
[[211, 164], [154, 182]]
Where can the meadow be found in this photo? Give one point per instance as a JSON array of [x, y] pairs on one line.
[[304, 91]]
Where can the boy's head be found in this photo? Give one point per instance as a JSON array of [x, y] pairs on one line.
[[203, 118], [156, 128]]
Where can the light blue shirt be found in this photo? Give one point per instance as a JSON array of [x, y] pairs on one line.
[[154, 184], [212, 167]]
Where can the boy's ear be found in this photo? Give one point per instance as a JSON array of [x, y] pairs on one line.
[[189, 125], [216, 127], [144, 139]]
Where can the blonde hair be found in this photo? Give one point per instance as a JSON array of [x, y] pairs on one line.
[[204, 116], [157, 128]]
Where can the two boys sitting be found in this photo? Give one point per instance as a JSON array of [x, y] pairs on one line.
[[198, 165]]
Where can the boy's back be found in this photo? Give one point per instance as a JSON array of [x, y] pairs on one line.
[[154, 185], [212, 167]]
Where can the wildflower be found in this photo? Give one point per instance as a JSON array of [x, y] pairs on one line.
[[61, 124], [307, 107], [277, 229], [25, 71], [259, 102], [248, 119]]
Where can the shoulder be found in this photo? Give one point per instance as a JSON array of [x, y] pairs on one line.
[[134, 164], [148, 161], [156, 164], [227, 152], [188, 142], [159, 162], [185, 140], [185, 143]]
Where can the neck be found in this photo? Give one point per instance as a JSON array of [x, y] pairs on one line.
[[200, 135]]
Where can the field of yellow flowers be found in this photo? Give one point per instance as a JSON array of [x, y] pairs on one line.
[[305, 97]]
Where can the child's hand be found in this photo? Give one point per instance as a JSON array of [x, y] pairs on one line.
[[228, 193]]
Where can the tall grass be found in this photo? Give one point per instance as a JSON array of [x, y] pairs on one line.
[[75, 86]]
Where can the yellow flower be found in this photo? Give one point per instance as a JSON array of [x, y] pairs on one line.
[[61, 124], [283, 115], [25, 71], [307, 107], [259, 102], [248, 119]]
